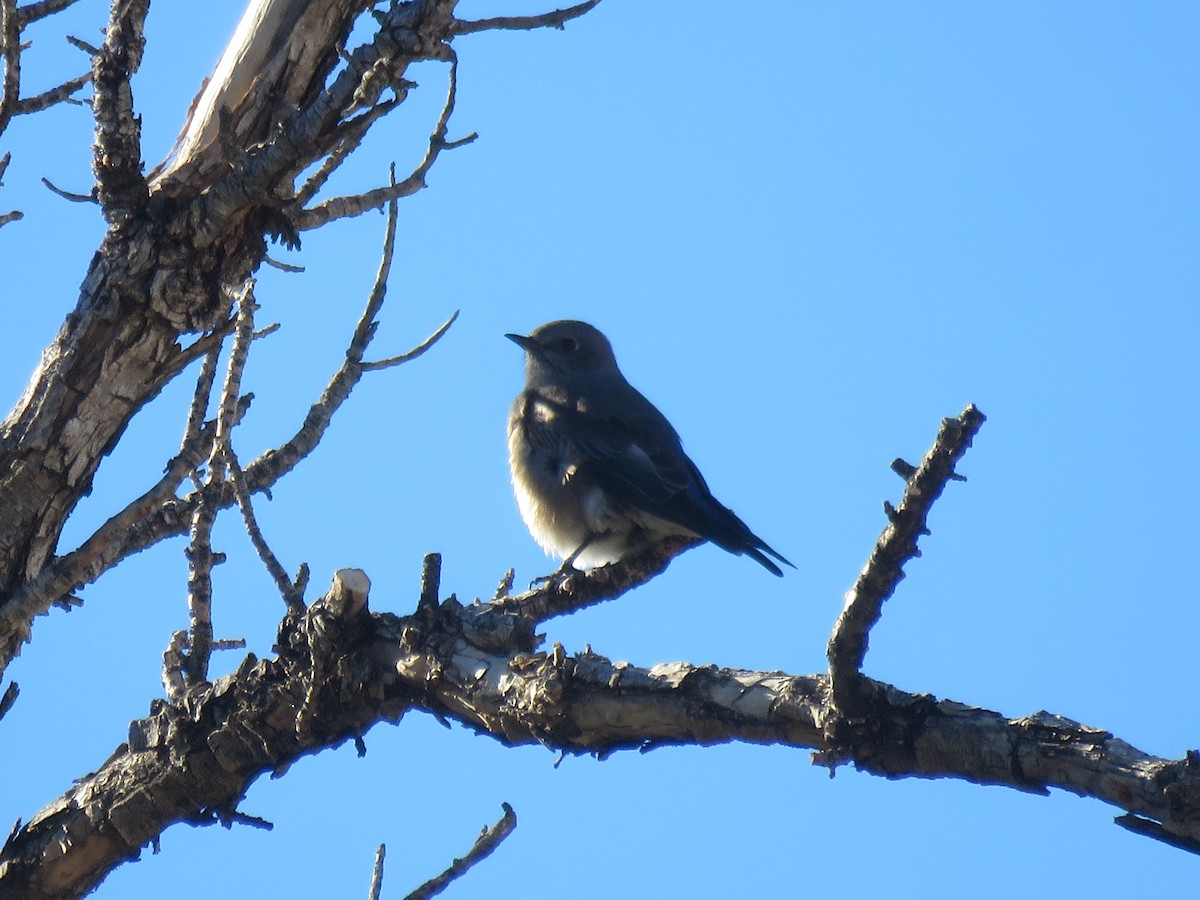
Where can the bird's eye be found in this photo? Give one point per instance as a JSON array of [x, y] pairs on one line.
[[568, 345]]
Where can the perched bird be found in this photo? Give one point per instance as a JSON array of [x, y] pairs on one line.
[[597, 470]]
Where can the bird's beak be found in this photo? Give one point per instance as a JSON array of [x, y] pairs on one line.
[[526, 344]]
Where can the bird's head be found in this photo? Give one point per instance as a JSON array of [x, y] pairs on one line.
[[565, 348]]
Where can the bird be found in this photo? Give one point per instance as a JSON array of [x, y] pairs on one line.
[[597, 470]]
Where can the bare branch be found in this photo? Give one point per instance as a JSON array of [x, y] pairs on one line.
[[282, 266], [110, 543], [562, 596], [293, 598], [10, 697], [200, 555], [200, 396], [117, 160], [201, 560], [345, 207], [46, 99], [33, 12], [896, 545], [377, 874], [555, 19], [485, 845], [10, 49], [69, 195], [415, 351]]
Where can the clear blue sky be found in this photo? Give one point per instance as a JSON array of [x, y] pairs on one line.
[[811, 231]]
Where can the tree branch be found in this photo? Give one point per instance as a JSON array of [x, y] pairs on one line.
[[117, 161], [556, 19], [486, 844], [896, 546]]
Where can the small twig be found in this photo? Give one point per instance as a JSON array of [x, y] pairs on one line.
[[352, 137], [415, 351], [377, 874], [80, 44], [356, 205], [10, 697], [555, 19], [485, 845], [896, 545], [68, 195], [268, 466], [294, 601], [12, 216], [46, 99], [282, 266], [201, 395]]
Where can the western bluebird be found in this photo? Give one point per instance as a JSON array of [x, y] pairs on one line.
[[597, 470]]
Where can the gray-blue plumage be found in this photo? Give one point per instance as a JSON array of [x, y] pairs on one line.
[[597, 470]]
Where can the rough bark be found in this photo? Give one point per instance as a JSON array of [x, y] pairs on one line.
[[342, 668], [178, 246]]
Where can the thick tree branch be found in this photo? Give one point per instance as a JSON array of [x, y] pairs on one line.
[[117, 161], [342, 669], [274, 107]]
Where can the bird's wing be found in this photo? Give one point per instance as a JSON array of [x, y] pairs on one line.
[[634, 453]]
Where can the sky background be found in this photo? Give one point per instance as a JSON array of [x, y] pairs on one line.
[[811, 231]]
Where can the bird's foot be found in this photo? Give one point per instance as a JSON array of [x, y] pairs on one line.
[[558, 578]]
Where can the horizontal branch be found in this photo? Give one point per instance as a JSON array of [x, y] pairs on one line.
[[554, 19], [203, 754]]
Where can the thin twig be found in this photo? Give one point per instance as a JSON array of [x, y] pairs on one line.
[[356, 205], [352, 134], [555, 19], [377, 874], [282, 266], [288, 590], [10, 697], [485, 845], [415, 351], [80, 44], [68, 195]]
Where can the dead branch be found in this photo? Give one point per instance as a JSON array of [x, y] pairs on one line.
[[356, 205], [486, 844], [117, 160], [895, 547], [556, 19]]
